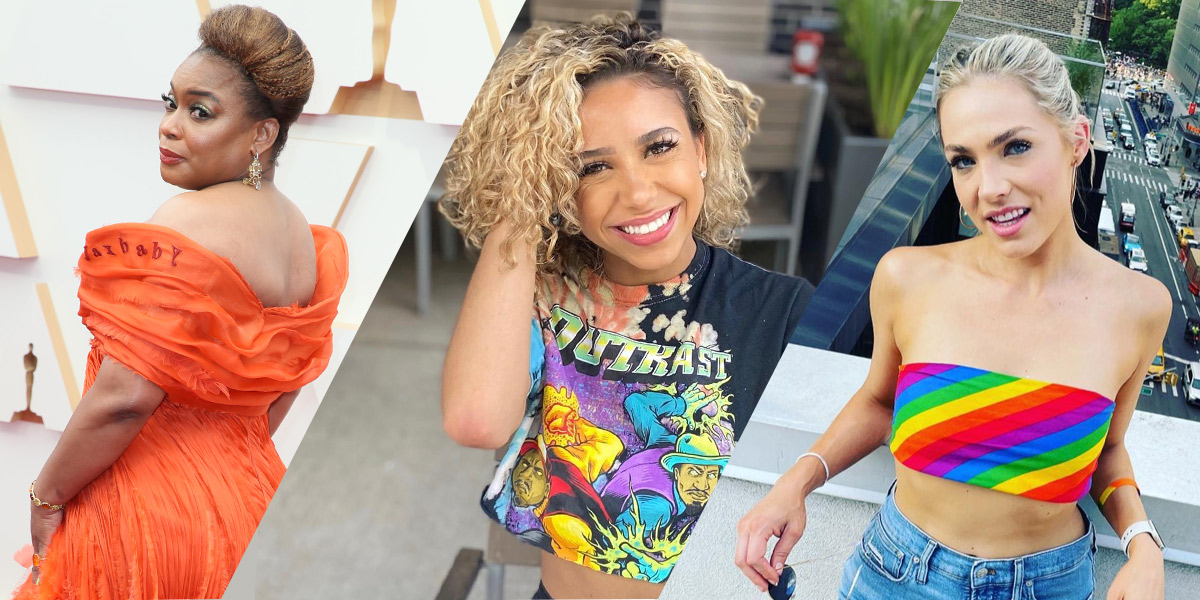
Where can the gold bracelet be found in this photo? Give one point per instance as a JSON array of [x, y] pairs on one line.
[[42, 505]]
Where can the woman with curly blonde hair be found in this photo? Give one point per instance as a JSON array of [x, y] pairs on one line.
[[608, 336]]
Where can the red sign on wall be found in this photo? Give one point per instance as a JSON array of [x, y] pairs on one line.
[[806, 51], [1192, 108]]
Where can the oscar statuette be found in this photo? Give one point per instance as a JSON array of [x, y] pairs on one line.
[[28, 414]]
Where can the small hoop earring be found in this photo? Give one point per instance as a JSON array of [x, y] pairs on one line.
[[963, 219], [255, 177]]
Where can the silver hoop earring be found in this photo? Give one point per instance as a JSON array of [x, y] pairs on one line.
[[963, 219]]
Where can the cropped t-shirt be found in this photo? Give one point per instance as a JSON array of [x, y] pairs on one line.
[[637, 396]]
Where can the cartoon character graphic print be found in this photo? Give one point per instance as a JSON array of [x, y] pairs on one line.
[[629, 427]]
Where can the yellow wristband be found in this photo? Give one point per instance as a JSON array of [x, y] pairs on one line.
[[1112, 487]]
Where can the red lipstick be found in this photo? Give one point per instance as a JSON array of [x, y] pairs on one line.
[[168, 158]]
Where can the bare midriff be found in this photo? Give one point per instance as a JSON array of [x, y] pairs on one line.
[[981, 522], [565, 579]]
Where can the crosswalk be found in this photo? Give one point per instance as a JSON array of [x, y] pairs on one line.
[[1164, 388], [1130, 157], [1138, 180]]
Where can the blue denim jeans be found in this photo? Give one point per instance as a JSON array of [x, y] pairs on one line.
[[896, 560]]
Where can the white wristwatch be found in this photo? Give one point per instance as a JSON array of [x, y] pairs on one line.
[[1137, 528]]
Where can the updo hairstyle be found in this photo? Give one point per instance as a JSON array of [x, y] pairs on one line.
[[277, 66]]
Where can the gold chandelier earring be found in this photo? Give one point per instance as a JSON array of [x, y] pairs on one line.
[[255, 177]]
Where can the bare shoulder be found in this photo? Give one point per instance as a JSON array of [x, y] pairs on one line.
[[1143, 300], [298, 230], [906, 267], [296, 220], [232, 219], [190, 214]]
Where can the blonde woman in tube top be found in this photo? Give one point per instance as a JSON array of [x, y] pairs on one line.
[[1002, 402]]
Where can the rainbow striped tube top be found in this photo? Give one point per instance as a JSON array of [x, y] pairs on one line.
[[1031, 438]]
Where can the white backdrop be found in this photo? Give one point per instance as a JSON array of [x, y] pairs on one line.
[[79, 110]]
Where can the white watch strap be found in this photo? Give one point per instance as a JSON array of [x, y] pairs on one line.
[[1138, 528]]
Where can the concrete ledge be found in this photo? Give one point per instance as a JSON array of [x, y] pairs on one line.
[[807, 391], [810, 387], [835, 526]]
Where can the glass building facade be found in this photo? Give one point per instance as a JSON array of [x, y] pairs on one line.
[[1184, 62]]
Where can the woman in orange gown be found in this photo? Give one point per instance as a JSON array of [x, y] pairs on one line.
[[206, 321]]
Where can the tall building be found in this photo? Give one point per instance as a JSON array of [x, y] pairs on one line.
[[1184, 63], [1077, 18], [1099, 20]]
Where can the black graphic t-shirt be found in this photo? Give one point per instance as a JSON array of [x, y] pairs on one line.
[[638, 394]]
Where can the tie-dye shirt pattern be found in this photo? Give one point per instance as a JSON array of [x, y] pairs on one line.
[[637, 395]]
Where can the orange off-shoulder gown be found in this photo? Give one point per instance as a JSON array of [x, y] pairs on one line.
[[173, 515]]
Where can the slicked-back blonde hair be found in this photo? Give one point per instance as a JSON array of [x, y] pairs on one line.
[[515, 158], [1025, 60]]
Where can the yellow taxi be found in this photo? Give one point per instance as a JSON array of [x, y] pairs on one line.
[[1158, 366]]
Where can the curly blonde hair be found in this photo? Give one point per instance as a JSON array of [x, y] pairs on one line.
[[515, 158]]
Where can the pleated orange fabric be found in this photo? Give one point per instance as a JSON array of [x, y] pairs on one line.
[[172, 517]]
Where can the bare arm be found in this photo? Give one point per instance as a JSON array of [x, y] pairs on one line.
[[279, 409], [1143, 574], [863, 425], [485, 378], [108, 418]]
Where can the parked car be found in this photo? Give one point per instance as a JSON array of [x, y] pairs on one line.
[[1191, 384], [1175, 216], [1139, 266], [1152, 158], [1136, 253], [1126, 223], [1130, 240]]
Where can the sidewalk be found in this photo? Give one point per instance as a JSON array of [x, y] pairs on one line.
[[1173, 174], [1178, 109]]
